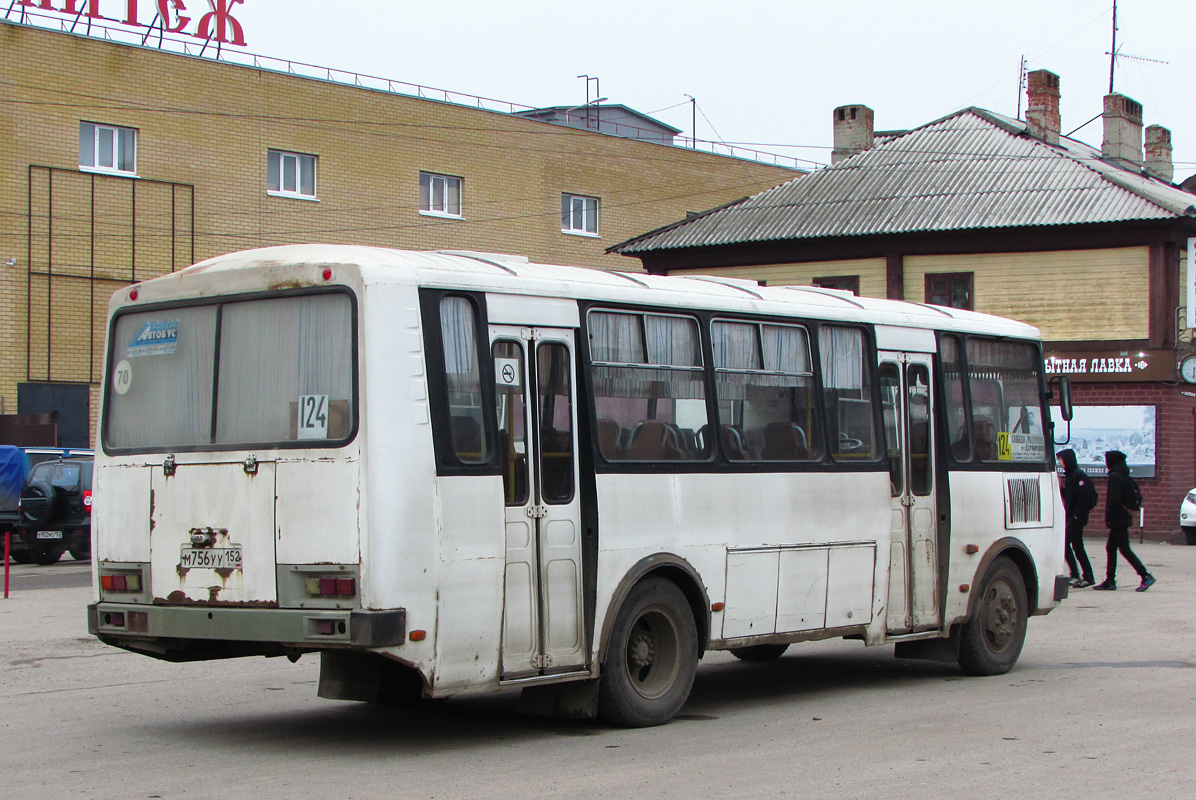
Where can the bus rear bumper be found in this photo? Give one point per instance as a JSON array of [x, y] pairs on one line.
[[186, 633]]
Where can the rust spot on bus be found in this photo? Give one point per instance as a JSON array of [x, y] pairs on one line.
[[291, 284], [178, 598]]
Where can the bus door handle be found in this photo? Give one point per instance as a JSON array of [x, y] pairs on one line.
[[537, 512]]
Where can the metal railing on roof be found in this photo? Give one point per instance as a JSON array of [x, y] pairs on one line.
[[157, 38]]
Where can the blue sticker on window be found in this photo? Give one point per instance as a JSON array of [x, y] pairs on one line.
[[157, 338]]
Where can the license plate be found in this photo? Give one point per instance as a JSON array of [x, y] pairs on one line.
[[49, 534], [210, 558]]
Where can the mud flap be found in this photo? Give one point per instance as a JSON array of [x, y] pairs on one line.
[[572, 700], [931, 649], [350, 676]]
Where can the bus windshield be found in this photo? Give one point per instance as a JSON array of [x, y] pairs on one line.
[[246, 373]]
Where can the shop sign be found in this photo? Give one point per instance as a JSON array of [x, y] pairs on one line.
[[1114, 365], [218, 24]]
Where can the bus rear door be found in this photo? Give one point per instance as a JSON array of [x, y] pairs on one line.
[[543, 620]]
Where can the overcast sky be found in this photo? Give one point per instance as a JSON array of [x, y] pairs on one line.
[[767, 72]]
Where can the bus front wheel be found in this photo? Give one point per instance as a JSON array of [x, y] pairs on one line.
[[992, 638], [651, 658]]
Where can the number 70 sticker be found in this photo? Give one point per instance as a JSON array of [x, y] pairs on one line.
[[122, 377], [313, 416]]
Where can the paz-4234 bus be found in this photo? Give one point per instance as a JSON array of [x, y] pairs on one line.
[[451, 472]]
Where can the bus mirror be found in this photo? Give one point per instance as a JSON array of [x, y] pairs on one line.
[[1065, 410]]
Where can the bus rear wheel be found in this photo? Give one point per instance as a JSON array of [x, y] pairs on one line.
[[992, 638], [651, 658]]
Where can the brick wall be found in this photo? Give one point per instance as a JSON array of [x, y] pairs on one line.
[[1175, 455], [208, 125]]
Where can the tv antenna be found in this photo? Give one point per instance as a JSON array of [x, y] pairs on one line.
[[1113, 53], [1021, 85]]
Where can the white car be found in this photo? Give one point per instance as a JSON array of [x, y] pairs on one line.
[[1187, 516]]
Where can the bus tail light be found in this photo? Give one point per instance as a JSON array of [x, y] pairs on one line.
[[120, 581], [318, 586]]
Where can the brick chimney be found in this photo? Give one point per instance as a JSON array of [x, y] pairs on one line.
[[1042, 112], [1158, 153], [853, 131], [1123, 131]]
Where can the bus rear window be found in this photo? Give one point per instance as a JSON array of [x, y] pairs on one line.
[[249, 373]]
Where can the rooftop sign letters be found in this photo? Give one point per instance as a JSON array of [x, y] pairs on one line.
[[172, 16]]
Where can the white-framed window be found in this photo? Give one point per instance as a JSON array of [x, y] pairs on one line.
[[439, 195], [291, 174], [107, 148], [579, 214]]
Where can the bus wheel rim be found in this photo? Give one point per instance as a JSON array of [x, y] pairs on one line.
[[1000, 616], [653, 653]]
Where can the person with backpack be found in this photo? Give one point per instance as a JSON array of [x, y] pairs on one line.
[[1121, 503], [1079, 498]]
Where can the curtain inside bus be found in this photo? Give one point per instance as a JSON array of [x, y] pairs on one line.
[[649, 387]]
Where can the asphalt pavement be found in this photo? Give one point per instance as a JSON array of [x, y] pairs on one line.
[[1102, 704]]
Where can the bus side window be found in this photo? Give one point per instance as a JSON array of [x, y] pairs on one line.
[[951, 357], [463, 381], [649, 382], [764, 384], [847, 393]]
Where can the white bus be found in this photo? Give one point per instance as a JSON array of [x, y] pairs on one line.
[[451, 473]]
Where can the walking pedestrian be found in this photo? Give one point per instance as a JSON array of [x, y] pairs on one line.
[[1118, 517], [1079, 498]]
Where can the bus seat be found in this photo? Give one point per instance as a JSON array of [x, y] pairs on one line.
[[784, 441], [609, 434], [653, 440], [467, 436], [733, 445]]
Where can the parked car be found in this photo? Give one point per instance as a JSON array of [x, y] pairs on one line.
[[55, 510], [1187, 516]]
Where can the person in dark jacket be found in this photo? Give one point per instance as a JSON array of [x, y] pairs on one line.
[[1118, 518], [1077, 502]]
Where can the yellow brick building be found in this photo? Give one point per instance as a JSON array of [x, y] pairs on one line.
[[124, 162]]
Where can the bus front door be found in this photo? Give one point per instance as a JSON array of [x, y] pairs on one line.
[[909, 432], [543, 622]]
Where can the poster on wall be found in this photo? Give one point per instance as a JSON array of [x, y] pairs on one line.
[[1095, 429]]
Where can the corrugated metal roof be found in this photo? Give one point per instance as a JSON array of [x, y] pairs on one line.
[[970, 170]]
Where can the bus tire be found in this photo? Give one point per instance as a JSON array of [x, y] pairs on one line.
[[992, 638], [760, 652], [651, 658]]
